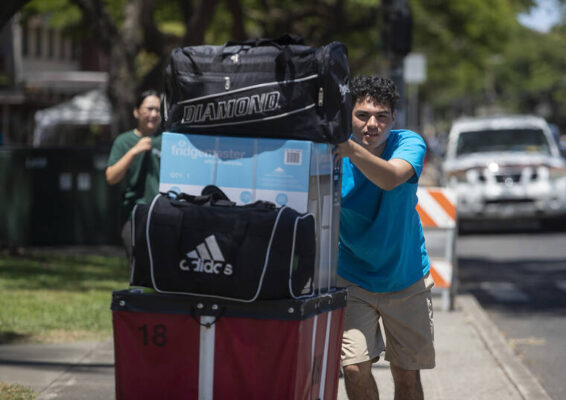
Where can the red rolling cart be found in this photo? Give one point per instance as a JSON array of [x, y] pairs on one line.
[[181, 347]]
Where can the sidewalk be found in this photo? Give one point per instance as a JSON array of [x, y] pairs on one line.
[[473, 362]]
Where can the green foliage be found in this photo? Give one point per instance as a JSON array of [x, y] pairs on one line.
[[477, 52], [53, 298], [532, 74], [144, 63], [116, 9], [459, 39], [176, 28], [356, 23], [220, 29], [61, 14], [16, 392], [479, 56]]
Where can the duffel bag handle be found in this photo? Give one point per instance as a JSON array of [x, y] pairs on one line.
[[189, 198], [281, 41], [216, 195], [210, 196]]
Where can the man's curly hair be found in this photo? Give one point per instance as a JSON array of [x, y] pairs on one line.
[[380, 90]]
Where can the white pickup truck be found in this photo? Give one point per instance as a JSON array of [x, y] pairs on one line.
[[506, 167]]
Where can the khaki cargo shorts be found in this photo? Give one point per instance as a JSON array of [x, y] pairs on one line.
[[407, 321]]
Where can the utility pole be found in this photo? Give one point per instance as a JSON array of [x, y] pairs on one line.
[[397, 34]]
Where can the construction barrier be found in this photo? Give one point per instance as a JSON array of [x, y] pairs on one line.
[[437, 210]]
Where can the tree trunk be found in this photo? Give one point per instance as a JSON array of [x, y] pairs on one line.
[[238, 29], [123, 45], [121, 89], [198, 21], [123, 81]]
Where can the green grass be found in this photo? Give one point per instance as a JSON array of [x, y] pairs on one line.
[[56, 298], [16, 392]]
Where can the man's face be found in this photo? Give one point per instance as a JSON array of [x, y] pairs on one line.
[[371, 123]]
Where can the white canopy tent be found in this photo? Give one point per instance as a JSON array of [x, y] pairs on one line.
[[90, 108]]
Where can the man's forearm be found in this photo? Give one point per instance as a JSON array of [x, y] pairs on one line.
[[385, 174]]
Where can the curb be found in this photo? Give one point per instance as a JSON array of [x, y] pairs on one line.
[[496, 344]]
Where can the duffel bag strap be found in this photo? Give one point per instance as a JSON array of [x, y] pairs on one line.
[[282, 43], [261, 204], [284, 40], [187, 52], [171, 194], [302, 242], [209, 197]]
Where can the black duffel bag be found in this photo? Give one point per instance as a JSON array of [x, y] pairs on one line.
[[208, 246], [276, 88]]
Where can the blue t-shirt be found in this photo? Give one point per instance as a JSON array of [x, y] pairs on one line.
[[381, 246]]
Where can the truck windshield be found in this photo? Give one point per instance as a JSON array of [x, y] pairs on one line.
[[507, 140]]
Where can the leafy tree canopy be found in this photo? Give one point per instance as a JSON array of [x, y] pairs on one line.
[[476, 50]]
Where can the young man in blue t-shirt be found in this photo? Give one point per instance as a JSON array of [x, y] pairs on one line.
[[382, 256]]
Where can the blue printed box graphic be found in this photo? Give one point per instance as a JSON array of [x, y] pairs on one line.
[[247, 169]]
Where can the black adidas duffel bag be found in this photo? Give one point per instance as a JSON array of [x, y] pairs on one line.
[[260, 88], [205, 246]]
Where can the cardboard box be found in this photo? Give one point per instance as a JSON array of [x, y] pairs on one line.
[[296, 173]]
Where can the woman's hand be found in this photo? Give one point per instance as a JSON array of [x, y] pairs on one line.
[[116, 172], [144, 144]]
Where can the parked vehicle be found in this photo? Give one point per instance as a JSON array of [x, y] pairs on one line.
[[505, 168]]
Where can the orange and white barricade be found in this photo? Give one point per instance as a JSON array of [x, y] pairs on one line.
[[437, 209]]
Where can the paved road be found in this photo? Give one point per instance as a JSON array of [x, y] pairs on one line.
[[520, 280]]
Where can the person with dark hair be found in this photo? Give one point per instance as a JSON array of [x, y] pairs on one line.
[[382, 256], [135, 157]]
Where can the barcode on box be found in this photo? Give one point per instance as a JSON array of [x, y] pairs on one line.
[[293, 157]]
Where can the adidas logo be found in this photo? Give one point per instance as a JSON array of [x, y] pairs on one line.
[[206, 258]]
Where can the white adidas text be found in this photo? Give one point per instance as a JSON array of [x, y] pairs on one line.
[[206, 266]]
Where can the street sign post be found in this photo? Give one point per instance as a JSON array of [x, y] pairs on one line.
[[414, 73]]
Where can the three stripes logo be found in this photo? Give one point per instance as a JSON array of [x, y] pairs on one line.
[[206, 258]]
